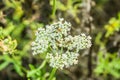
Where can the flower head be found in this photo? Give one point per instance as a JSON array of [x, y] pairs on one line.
[[62, 48]]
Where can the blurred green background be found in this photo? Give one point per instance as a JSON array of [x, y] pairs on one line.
[[19, 20]]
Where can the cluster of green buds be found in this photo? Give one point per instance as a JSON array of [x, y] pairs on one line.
[[7, 45], [62, 49]]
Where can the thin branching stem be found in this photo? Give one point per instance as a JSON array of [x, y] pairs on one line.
[[54, 8], [52, 73]]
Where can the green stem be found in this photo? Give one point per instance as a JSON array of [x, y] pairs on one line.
[[14, 61], [54, 8], [52, 73], [42, 65]]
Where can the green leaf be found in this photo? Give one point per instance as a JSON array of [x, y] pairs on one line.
[[31, 73], [18, 69], [3, 65], [31, 66]]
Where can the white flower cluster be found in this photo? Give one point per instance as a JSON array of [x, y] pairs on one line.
[[62, 49], [78, 42], [60, 61], [41, 42]]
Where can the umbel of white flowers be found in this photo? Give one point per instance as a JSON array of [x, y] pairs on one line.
[[60, 47]]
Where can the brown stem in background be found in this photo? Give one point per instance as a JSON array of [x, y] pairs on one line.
[[90, 53], [87, 22], [90, 62], [90, 50]]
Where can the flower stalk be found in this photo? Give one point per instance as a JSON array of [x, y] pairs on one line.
[[52, 74]]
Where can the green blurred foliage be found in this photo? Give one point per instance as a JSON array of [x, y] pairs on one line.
[[15, 27], [15, 61], [38, 73], [20, 22], [17, 5], [112, 26], [70, 6], [8, 46], [108, 64]]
